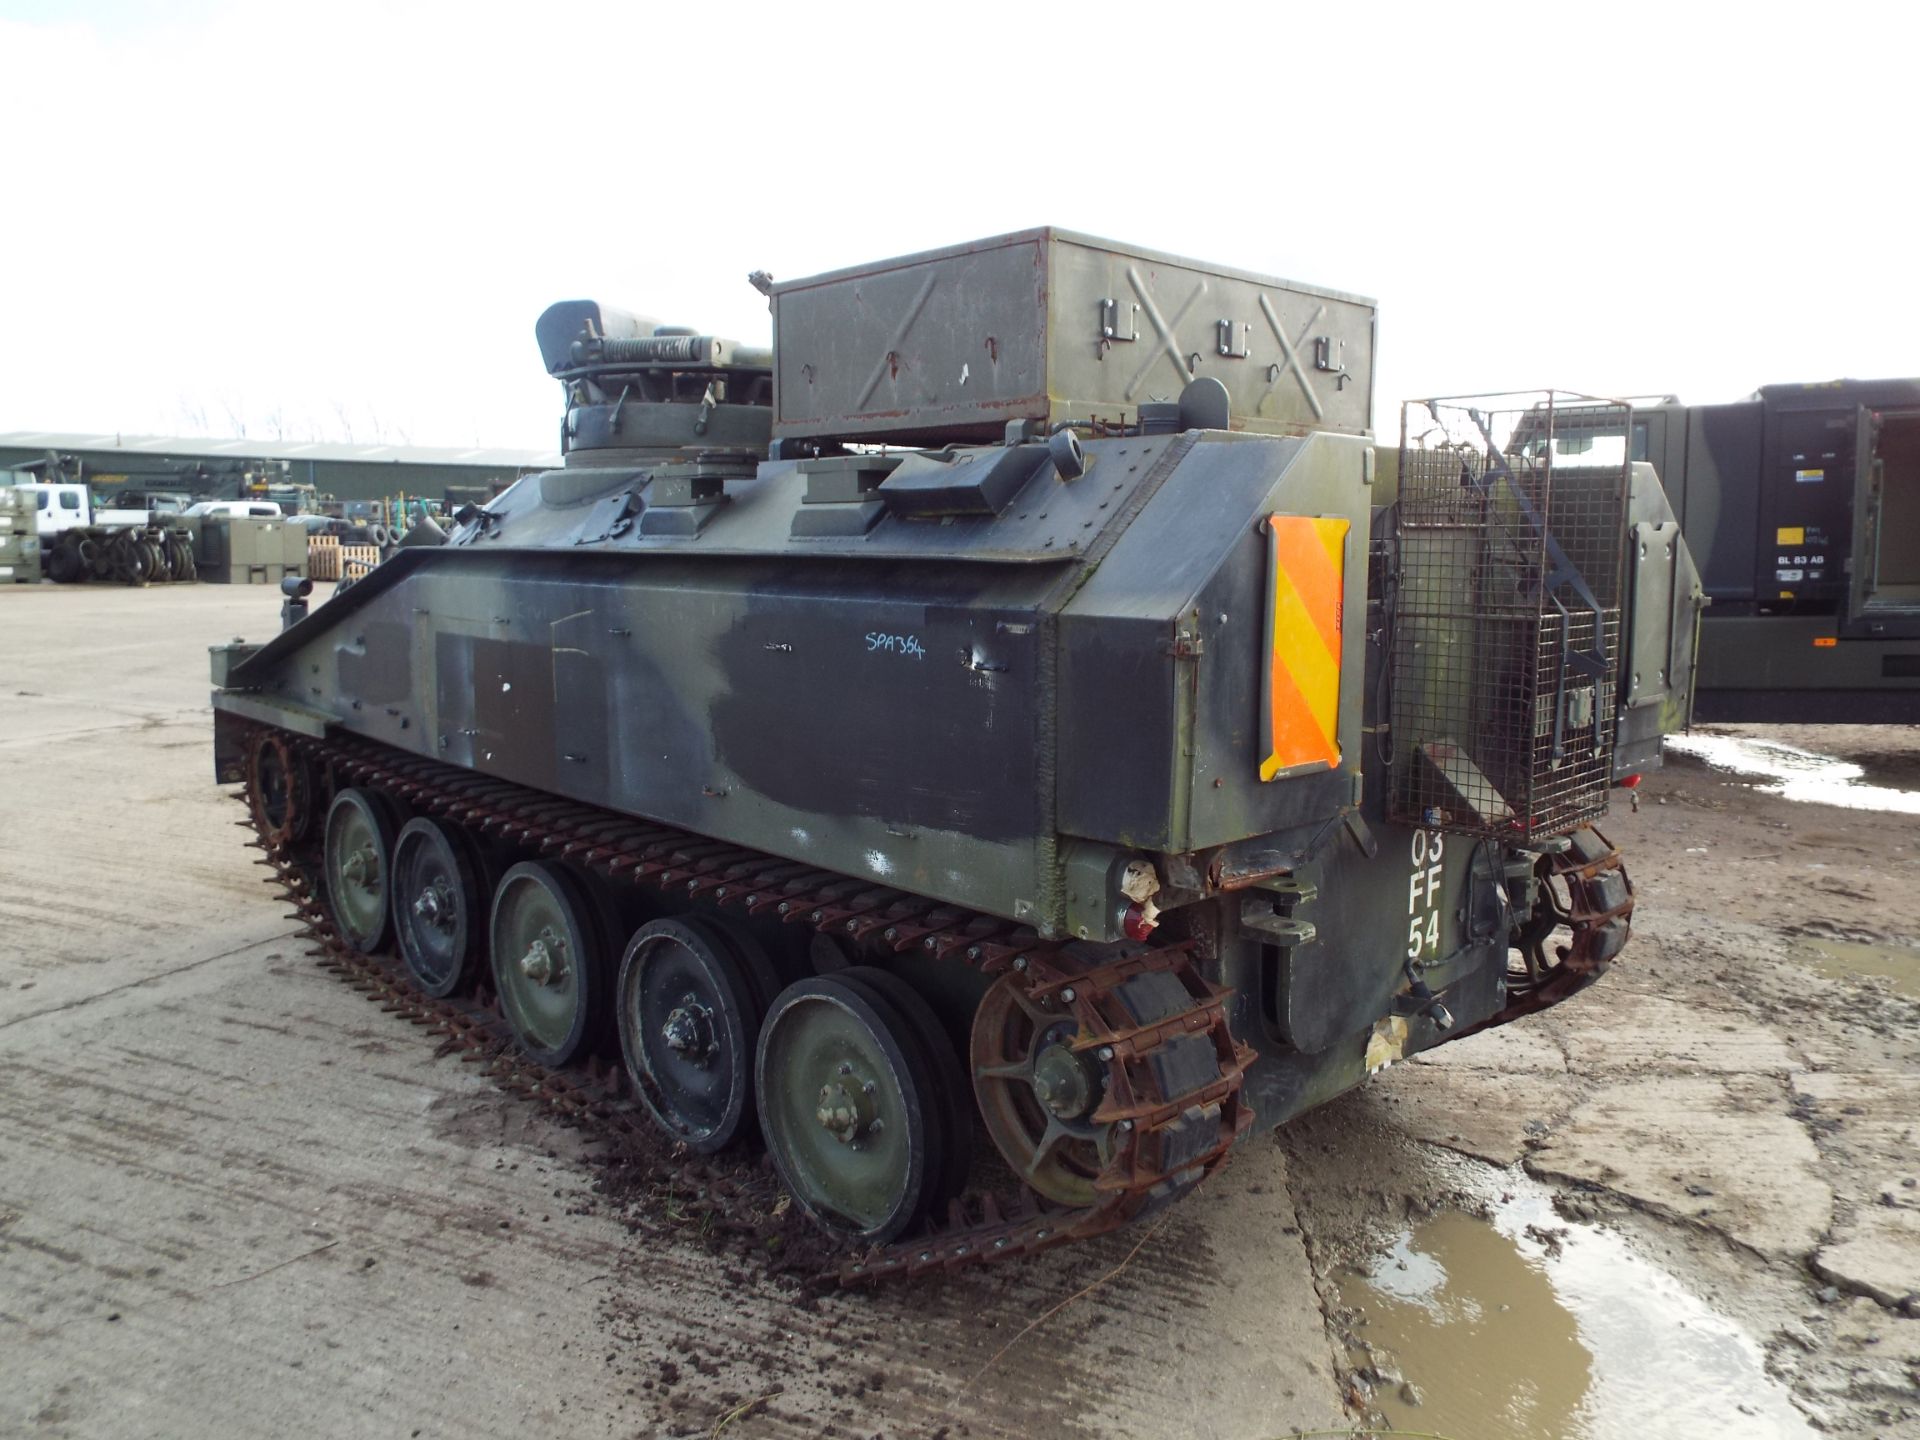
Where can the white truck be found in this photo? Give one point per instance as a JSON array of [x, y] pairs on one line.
[[62, 505], [78, 542], [58, 507]]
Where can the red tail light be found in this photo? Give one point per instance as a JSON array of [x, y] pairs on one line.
[[1135, 924]]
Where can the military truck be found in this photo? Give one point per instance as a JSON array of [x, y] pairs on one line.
[[1802, 507], [1003, 710]]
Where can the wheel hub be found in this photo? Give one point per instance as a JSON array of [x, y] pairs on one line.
[[541, 964], [846, 1110], [688, 1031], [1063, 1082], [361, 868], [435, 905]]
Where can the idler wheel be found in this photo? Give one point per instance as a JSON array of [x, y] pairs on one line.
[[358, 866], [690, 1005], [1038, 1093], [436, 902], [546, 960], [849, 1108], [279, 791]]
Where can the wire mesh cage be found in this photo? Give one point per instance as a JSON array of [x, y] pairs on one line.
[[1509, 535]]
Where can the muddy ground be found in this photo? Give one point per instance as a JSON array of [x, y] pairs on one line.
[[1736, 1104], [237, 1199]]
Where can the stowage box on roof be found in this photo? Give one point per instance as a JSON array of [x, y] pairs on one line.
[[1046, 325]]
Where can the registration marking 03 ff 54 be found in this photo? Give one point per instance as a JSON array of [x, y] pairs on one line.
[[1423, 894]]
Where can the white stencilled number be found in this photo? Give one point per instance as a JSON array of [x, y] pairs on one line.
[[1423, 937], [1423, 893]]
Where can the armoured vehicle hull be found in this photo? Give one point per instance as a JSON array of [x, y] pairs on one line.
[[1090, 788]]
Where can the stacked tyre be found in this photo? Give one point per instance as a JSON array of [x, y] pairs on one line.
[[127, 555]]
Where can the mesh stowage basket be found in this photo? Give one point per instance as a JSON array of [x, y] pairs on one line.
[[1509, 536]]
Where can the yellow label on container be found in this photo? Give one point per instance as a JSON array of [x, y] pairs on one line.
[[1790, 535]]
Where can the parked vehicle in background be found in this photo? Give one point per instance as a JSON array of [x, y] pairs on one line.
[[75, 540], [59, 507], [259, 509], [170, 486], [1802, 506], [154, 502]]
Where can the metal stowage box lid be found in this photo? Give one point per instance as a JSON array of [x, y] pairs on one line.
[[1047, 325]]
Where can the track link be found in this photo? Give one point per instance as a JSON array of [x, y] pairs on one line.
[[1174, 1073]]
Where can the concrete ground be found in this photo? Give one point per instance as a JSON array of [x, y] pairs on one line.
[[1738, 1100], [236, 1199]]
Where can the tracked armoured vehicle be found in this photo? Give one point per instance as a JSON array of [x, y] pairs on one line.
[[999, 747]]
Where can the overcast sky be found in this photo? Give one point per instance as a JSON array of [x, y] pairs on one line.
[[341, 220]]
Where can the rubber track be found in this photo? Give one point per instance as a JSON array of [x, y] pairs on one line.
[[1167, 1143]]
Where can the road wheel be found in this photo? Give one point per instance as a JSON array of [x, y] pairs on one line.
[[357, 865], [547, 964], [848, 1108], [953, 1097], [689, 1016], [437, 903]]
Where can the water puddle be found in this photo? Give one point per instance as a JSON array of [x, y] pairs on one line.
[[1528, 1325], [1796, 774], [1850, 959]]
